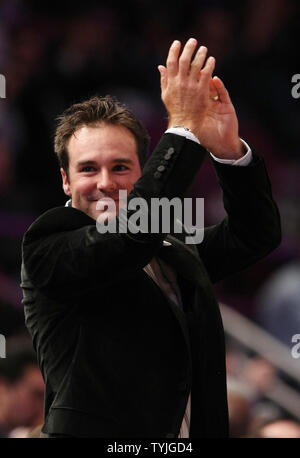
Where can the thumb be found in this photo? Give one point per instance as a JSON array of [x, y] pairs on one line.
[[163, 76], [213, 92]]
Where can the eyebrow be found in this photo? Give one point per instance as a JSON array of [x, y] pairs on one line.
[[120, 160]]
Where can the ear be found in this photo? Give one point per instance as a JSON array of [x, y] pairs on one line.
[[66, 185]]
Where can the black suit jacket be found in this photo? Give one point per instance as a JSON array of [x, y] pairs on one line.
[[118, 357]]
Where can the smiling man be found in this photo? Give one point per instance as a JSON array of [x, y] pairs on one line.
[[126, 326], [103, 159]]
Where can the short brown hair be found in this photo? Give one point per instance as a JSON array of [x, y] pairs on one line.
[[90, 112]]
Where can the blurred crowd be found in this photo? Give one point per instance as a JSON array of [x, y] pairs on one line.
[[55, 53]]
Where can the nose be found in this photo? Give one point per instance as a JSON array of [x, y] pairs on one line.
[[106, 183]]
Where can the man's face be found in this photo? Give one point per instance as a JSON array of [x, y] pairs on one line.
[[24, 399], [102, 161]]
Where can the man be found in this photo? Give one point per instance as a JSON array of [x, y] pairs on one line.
[[126, 327], [21, 392]]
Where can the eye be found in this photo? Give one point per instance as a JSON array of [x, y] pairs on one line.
[[88, 169], [120, 168]]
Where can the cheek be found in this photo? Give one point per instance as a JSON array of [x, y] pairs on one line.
[[84, 186]]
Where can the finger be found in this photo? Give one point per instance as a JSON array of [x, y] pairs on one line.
[[207, 71], [213, 93], [163, 77], [172, 59], [221, 89], [186, 56], [198, 61]]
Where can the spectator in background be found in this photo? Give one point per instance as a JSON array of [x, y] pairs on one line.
[[21, 392], [278, 303], [280, 429], [239, 407]]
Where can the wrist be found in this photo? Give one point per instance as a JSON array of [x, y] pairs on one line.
[[184, 127], [235, 152], [183, 131]]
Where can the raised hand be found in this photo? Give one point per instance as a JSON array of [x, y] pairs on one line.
[[185, 98], [196, 100]]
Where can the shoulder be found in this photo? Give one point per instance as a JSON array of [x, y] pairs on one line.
[[58, 219]]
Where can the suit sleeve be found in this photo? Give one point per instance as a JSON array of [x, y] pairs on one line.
[[64, 253], [252, 228]]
